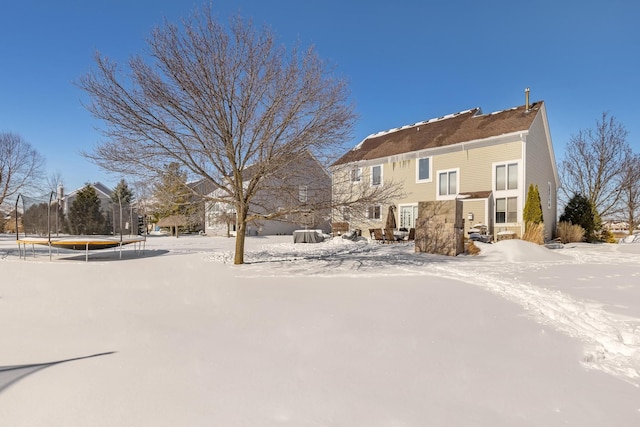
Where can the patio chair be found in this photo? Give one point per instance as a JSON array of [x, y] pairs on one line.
[[412, 234], [376, 234]]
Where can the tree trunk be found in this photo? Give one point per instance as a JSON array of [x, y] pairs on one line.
[[240, 235]]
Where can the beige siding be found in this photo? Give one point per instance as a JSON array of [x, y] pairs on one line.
[[479, 209], [475, 167], [540, 170]]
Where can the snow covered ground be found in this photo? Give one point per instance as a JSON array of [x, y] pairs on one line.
[[339, 333]]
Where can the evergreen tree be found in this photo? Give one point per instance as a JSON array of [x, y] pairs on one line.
[[580, 211], [85, 216], [122, 194], [173, 198], [532, 213], [121, 199], [172, 193]]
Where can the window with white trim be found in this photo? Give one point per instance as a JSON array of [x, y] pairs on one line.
[[302, 193], [345, 213], [507, 176], [356, 175], [376, 175], [448, 183], [374, 212], [506, 210], [423, 169]]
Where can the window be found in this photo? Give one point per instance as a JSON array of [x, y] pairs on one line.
[[506, 210], [376, 175], [374, 212], [448, 183], [302, 193], [356, 175], [345, 213], [507, 177], [423, 169]]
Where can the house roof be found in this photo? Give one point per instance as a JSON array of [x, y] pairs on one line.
[[469, 125], [298, 164], [98, 186], [475, 194]]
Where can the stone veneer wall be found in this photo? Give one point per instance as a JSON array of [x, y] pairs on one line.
[[440, 227]]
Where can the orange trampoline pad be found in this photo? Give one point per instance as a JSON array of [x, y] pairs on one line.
[[82, 242]]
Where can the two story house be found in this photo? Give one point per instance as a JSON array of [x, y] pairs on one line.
[[486, 160], [103, 192], [298, 197]]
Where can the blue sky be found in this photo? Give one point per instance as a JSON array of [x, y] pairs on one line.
[[406, 61]]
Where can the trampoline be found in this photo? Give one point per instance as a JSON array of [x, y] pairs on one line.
[[80, 243], [84, 243]]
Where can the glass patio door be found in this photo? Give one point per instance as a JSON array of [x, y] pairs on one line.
[[408, 215]]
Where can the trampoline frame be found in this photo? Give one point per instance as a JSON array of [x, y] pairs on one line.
[[86, 243], [77, 243]]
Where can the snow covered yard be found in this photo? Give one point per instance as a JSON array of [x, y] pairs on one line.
[[333, 334]]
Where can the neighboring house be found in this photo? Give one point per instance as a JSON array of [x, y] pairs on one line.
[[486, 160], [103, 192], [298, 198], [110, 210], [197, 220]]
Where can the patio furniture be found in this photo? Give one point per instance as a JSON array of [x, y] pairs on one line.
[[400, 235], [376, 234], [389, 236], [308, 236], [412, 234]]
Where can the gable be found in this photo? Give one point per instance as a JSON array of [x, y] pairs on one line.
[[101, 189], [470, 125]]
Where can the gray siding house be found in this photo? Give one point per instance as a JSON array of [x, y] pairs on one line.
[[297, 198]]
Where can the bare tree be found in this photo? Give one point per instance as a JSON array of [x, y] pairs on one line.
[[630, 194], [54, 181], [593, 165], [20, 166], [216, 100], [144, 202], [55, 186], [353, 198]]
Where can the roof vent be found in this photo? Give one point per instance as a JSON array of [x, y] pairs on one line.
[[526, 99]]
